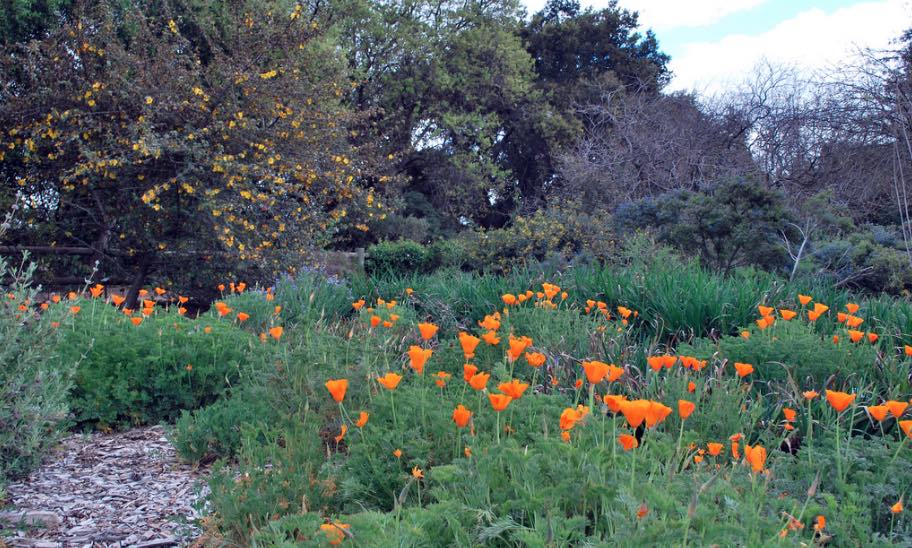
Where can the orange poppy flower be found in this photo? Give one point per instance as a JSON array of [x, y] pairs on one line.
[[908, 350], [490, 322], [142, 293], [635, 411], [335, 532], [148, 311], [614, 372], [906, 427], [418, 357], [390, 381], [243, 317], [397, 453], [499, 401], [550, 290], [790, 414], [897, 508], [569, 417], [357, 305], [853, 321], [595, 371], [517, 345], [578, 384], [686, 408], [55, 325], [841, 317], [409, 291], [337, 388], [813, 316], [624, 312], [762, 323], [642, 511], [535, 359], [181, 311], [804, 299], [461, 416], [387, 324], [657, 413], [743, 369], [136, 321], [514, 388], [878, 412], [96, 290], [479, 381], [182, 300], [628, 442], [207, 330], [394, 318], [468, 370], [655, 363], [490, 337], [468, 343], [467, 452], [855, 335], [839, 400], [276, 332], [897, 408], [810, 394], [362, 419], [427, 330], [341, 435], [852, 308], [508, 299], [614, 402], [691, 387], [820, 308], [75, 309], [745, 334], [819, 523], [872, 337], [787, 314], [55, 298], [375, 321], [715, 448], [565, 436], [756, 457], [765, 310]]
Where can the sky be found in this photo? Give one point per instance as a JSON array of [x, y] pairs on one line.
[[715, 44]]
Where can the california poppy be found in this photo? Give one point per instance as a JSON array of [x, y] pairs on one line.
[[655, 363], [787, 314], [535, 359], [468, 370], [908, 350], [656, 413], [820, 308], [517, 345], [765, 310], [508, 299], [276, 332], [715, 448], [390, 381], [872, 337], [855, 335], [490, 322], [628, 442], [897, 508], [397, 453], [243, 317], [136, 320], [565, 436], [745, 334], [897, 408], [614, 372], [418, 357], [853, 321], [335, 532], [96, 290], [614, 401], [852, 308], [810, 394], [468, 343], [569, 417], [635, 411], [337, 388], [839, 400], [595, 371], [514, 388], [341, 435], [427, 330], [181, 299], [878, 412], [813, 316], [461, 416], [358, 304], [118, 299], [790, 414], [804, 299], [756, 457], [490, 337], [479, 381], [906, 427], [743, 369], [691, 387], [375, 321], [75, 309], [685, 408], [499, 401], [362, 419]]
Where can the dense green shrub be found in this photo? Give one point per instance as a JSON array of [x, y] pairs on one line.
[[398, 257], [731, 224], [34, 378], [215, 431], [140, 374]]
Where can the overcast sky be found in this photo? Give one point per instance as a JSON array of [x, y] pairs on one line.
[[715, 43]]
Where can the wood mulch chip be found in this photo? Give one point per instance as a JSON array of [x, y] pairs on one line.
[[111, 490]]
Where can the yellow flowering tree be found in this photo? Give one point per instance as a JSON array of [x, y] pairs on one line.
[[184, 137]]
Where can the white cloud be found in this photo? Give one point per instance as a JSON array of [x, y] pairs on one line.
[[811, 40], [668, 14]]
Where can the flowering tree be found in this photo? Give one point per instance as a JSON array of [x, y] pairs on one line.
[[157, 133]]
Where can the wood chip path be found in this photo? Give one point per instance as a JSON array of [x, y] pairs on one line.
[[106, 490]]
